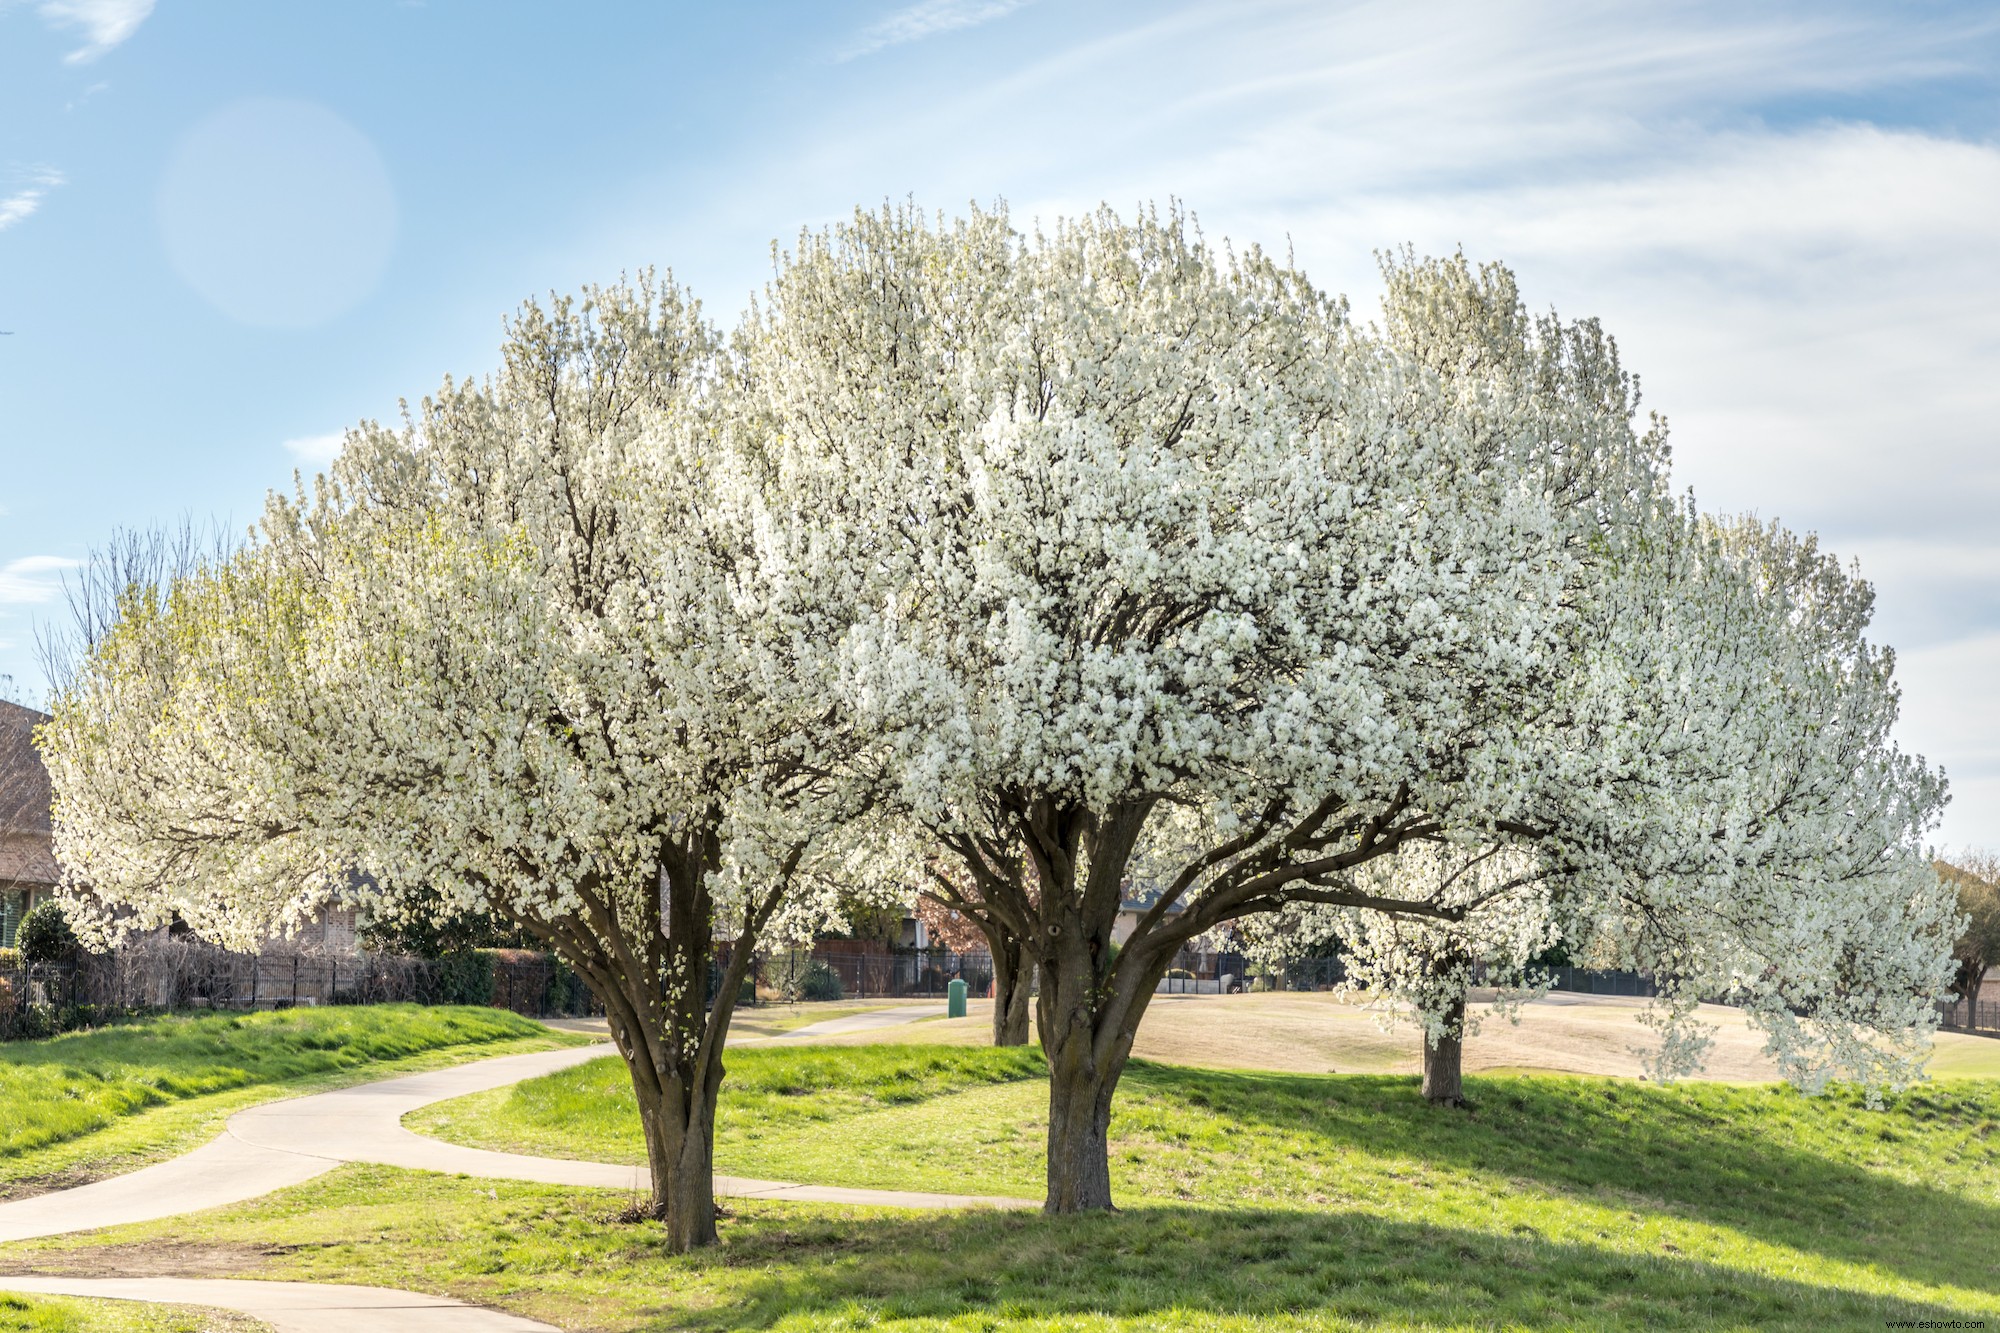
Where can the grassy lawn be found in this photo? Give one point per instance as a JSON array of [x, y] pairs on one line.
[[1292, 1200], [60, 1314], [562, 1255], [1249, 1201], [773, 1099], [92, 1104], [1303, 1032]]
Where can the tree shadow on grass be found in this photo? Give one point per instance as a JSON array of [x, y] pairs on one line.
[[1240, 1268], [1822, 1175]]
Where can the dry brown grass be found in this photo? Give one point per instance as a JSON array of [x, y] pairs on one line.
[[1306, 1033]]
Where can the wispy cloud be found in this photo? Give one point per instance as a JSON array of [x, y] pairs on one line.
[[104, 23], [927, 18], [26, 198], [315, 450], [1808, 290], [84, 96], [32, 579]]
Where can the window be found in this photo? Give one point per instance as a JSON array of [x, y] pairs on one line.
[[13, 904]]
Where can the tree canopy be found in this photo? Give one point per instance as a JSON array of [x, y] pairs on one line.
[[1034, 568], [1180, 576], [1974, 877]]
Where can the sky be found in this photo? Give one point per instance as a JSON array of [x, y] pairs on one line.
[[231, 229]]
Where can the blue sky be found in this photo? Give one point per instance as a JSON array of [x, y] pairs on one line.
[[229, 229]]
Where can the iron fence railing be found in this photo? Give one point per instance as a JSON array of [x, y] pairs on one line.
[[880, 972], [1588, 981], [1331, 973], [1983, 1017]]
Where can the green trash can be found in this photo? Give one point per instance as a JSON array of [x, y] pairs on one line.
[[954, 1004]]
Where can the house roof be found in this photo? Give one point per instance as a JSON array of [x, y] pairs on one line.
[[28, 860], [25, 854], [1141, 896]]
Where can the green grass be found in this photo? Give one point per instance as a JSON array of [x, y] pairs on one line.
[[561, 1255], [1968, 1057], [772, 1097], [60, 1314], [88, 1104], [1608, 1180], [1249, 1201]]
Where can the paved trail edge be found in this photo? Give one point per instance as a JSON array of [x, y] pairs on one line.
[[285, 1143]]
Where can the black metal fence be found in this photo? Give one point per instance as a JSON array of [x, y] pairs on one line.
[[1331, 974], [1315, 974], [877, 972], [1583, 981], [1983, 1017], [864, 969]]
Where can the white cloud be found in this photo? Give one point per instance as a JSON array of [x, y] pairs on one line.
[[316, 451], [22, 203], [1811, 298], [1951, 711], [88, 93], [32, 579], [105, 23], [927, 18]]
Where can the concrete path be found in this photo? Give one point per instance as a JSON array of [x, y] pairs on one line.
[[284, 1143], [294, 1307], [893, 1016], [868, 1022]]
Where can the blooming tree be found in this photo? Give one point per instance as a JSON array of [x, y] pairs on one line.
[[1975, 877], [1760, 763], [516, 657], [1090, 557], [1163, 559], [1756, 833], [1424, 966], [1168, 572]]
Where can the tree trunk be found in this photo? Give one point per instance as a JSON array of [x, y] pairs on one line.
[[1013, 981], [1444, 1083], [680, 1150], [1086, 1027], [1079, 1164], [672, 1038]]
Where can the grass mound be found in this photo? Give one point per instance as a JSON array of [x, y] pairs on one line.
[[1598, 1177], [61, 1314], [73, 1085], [560, 1255], [769, 1096]]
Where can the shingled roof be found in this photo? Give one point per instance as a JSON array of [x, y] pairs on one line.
[[25, 854]]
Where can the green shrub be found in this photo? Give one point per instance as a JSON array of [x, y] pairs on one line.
[[45, 935], [567, 994], [427, 930], [819, 982], [466, 977]]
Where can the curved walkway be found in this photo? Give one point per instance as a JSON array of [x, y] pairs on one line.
[[286, 1143], [867, 1021], [294, 1307]]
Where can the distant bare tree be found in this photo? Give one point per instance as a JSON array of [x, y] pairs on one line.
[[135, 563]]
